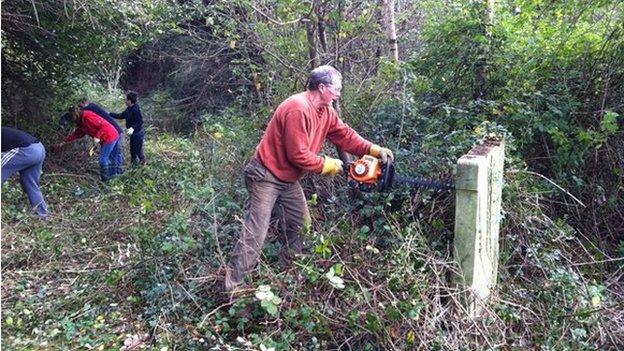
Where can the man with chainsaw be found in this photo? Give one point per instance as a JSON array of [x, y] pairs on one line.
[[289, 148]]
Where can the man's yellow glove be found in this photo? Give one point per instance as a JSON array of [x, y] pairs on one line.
[[331, 166], [381, 152]]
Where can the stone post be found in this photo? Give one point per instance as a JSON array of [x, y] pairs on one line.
[[478, 186]]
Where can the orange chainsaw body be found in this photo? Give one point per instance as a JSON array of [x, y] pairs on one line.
[[369, 174], [366, 170]]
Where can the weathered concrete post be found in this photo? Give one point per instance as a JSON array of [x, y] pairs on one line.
[[478, 186]]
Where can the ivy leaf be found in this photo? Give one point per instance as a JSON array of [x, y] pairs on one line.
[[264, 293], [337, 282], [595, 301], [609, 122], [314, 199], [167, 246], [270, 307], [264, 348], [330, 274]]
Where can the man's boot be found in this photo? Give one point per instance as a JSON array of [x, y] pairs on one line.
[[232, 280], [119, 170], [105, 173]]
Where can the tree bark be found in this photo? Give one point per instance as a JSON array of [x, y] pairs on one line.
[[312, 53], [320, 16], [391, 36], [338, 40]]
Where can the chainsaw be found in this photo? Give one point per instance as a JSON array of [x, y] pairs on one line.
[[370, 174]]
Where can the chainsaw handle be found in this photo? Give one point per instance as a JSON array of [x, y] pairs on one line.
[[346, 166]]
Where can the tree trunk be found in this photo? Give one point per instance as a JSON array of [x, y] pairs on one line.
[[391, 36], [112, 74], [320, 16], [312, 53], [337, 40]]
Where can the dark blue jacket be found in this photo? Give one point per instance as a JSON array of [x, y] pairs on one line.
[[13, 138], [93, 107], [133, 117]]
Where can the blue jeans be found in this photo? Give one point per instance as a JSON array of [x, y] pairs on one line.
[[136, 146], [27, 161], [119, 160], [110, 154]]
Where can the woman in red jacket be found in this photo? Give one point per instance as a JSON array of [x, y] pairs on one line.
[[89, 123]]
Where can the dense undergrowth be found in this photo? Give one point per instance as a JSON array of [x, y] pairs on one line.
[[140, 261]]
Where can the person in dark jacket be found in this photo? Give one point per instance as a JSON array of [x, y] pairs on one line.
[[23, 153], [134, 127], [88, 105]]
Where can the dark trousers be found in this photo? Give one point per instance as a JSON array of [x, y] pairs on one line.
[[269, 197], [136, 146]]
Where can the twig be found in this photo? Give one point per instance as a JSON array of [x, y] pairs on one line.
[[36, 13], [279, 23], [213, 312], [597, 262], [590, 311], [551, 182], [67, 174], [519, 306]]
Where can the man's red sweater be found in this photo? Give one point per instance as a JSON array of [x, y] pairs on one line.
[[94, 126], [295, 136]]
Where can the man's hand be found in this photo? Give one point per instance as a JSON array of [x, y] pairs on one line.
[[130, 131], [331, 166], [383, 153]]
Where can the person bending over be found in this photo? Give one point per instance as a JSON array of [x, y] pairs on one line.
[[23, 153], [85, 103], [102, 132]]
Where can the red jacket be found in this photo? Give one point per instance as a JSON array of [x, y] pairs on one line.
[[295, 136], [94, 126]]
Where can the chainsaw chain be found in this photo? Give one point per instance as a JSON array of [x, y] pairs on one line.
[[420, 182]]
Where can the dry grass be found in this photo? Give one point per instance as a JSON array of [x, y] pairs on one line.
[[142, 259]]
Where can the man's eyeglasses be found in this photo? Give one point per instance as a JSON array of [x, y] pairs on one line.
[[334, 88]]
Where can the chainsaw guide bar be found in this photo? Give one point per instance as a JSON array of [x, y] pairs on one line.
[[370, 174]]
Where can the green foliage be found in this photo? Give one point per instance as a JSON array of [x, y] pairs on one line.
[[538, 62], [609, 124], [378, 279], [333, 276], [268, 300], [142, 256], [54, 49]]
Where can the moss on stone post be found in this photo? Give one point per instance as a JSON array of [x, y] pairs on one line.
[[478, 186]]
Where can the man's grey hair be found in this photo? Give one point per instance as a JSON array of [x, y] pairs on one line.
[[322, 75]]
